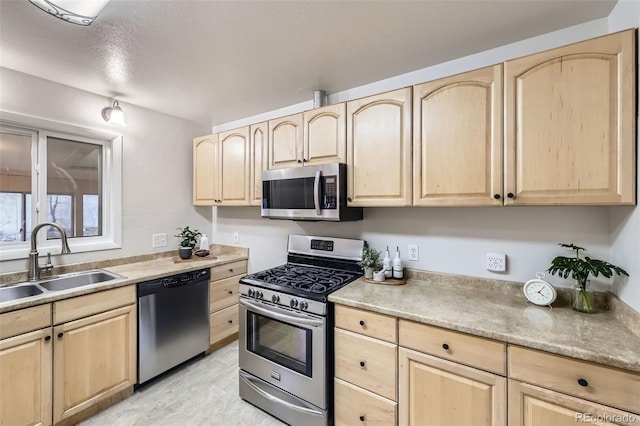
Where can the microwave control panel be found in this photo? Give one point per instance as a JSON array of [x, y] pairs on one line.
[[330, 199]]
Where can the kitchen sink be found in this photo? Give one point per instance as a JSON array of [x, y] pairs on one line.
[[18, 292], [78, 279]]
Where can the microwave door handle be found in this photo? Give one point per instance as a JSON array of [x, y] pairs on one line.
[[316, 192]]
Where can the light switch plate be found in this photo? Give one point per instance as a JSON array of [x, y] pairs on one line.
[[159, 240]]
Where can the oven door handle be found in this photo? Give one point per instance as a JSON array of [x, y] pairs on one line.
[[254, 385], [276, 315], [316, 192]]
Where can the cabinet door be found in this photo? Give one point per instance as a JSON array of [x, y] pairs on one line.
[[570, 133], [234, 166], [457, 128], [25, 375], [94, 358], [533, 406], [433, 391], [259, 138], [379, 150], [285, 141], [325, 135], [205, 179]]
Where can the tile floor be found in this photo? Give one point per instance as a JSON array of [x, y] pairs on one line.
[[202, 393]]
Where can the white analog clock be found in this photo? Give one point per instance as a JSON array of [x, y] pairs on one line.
[[539, 292]]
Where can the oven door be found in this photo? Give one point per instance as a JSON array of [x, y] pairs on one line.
[[285, 348]]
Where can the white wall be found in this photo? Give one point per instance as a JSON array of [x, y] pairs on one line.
[[157, 161], [625, 221], [455, 240]]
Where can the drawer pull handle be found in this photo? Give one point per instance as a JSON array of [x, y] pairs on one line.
[[445, 346], [362, 323], [60, 334], [583, 382], [362, 418], [362, 364], [47, 338]]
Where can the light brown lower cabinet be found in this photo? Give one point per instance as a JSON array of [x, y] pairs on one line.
[[25, 379], [94, 358], [223, 303], [531, 405], [434, 391], [357, 406]]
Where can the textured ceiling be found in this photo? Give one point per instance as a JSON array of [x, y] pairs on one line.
[[218, 61]]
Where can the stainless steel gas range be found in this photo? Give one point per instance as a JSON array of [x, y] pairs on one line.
[[286, 329]]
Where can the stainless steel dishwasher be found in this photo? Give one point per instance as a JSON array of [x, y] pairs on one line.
[[173, 321]]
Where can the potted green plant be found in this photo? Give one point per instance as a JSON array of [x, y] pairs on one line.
[[188, 240], [580, 269], [370, 261]]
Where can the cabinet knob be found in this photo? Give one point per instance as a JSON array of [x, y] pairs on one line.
[[60, 334], [361, 323], [299, 161], [445, 346], [230, 321], [304, 160], [511, 195], [47, 338], [230, 292], [349, 199], [496, 196], [362, 364], [231, 270], [362, 418], [583, 382]]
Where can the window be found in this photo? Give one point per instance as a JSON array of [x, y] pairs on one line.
[[72, 179]]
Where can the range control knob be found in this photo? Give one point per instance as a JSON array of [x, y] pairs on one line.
[[303, 305], [275, 298], [293, 303], [259, 294], [251, 292]]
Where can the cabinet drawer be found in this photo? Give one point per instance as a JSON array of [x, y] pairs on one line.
[[228, 270], [356, 406], [223, 293], [366, 362], [223, 324], [368, 323], [609, 386], [475, 351], [83, 306], [24, 320]]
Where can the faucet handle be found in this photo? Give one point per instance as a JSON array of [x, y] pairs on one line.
[[49, 265]]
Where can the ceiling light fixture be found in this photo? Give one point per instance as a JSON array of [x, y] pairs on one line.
[[114, 114], [80, 12]]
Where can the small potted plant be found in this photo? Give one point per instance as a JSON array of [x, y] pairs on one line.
[[580, 269], [370, 261], [188, 240]]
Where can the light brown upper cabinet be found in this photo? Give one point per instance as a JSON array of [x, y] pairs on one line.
[[379, 149], [325, 135], [570, 124], [234, 167], [259, 160], [457, 142], [285, 141], [205, 178]]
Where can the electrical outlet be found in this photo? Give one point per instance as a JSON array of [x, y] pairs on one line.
[[496, 262], [413, 252], [236, 237], [159, 240]]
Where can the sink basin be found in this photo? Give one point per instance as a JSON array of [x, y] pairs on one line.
[[18, 292], [79, 279]]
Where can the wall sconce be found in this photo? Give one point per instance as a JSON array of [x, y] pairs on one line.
[[74, 11], [114, 115]]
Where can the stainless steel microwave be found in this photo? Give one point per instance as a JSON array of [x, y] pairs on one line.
[[311, 193]]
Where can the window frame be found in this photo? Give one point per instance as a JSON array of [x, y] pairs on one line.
[[111, 185]]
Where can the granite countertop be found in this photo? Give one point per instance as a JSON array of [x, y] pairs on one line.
[[501, 315], [133, 272]]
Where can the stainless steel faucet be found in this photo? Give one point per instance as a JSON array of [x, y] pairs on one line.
[[34, 267]]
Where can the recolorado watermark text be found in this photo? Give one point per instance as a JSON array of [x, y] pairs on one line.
[[606, 418]]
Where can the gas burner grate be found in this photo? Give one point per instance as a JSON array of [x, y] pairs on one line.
[[309, 279]]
